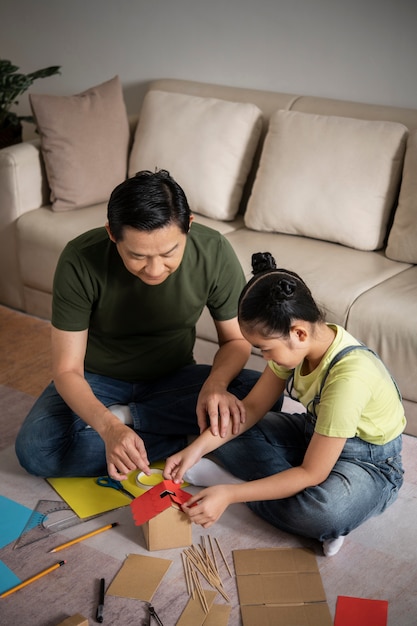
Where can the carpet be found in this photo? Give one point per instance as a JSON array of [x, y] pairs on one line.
[[378, 560]]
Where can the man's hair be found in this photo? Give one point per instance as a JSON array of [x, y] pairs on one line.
[[148, 201]]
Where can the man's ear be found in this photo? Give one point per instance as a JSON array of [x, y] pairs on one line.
[[111, 237]]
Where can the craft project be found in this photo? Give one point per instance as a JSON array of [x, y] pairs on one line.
[[159, 513]]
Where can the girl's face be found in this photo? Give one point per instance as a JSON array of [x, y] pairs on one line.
[[287, 352]]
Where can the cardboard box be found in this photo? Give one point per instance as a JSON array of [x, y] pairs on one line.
[[159, 513], [280, 587], [169, 529], [74, 620]]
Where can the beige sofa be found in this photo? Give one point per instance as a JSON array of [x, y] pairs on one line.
[[328, 187]]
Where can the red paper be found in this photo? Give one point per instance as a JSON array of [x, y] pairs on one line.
[[156, 500], [360, 612]]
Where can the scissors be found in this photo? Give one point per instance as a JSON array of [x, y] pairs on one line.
[[106, 481]]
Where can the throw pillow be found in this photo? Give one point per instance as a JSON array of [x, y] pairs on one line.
[[402, 240], [328, 177], [206, 144], [84, 142]]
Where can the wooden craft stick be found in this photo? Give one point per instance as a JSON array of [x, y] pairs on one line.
[[200, 592], [223, 557], [186, 573], [213, 554]]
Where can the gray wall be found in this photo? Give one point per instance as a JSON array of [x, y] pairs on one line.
[[363, 50]]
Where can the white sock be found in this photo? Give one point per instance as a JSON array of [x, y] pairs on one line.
[[332, 546], [122, 411], [206, 473]]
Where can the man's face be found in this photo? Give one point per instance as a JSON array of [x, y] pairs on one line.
[[151, 256]]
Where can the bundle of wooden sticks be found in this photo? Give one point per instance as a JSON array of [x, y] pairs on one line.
[[201, 560]]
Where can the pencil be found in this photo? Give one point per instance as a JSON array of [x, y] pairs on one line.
[[32, 579], [82, 537]]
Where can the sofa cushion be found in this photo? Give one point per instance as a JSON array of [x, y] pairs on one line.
[[337, 275], [84, 141], [328, 177], [402, 240], [206, 144]]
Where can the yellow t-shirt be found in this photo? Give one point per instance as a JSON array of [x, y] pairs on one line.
[[359, 397]]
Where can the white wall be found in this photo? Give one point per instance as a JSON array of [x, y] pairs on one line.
[[363, 50]]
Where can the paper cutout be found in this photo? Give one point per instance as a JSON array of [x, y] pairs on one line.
[[156, 500], [8, 579], [139, 577], [13, 518], [360, 611]]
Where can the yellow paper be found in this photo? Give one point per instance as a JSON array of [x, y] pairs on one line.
[[86, 498]]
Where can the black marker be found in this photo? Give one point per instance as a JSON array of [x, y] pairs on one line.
[[100, 607]]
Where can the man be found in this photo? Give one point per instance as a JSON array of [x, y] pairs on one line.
[[126, 299]]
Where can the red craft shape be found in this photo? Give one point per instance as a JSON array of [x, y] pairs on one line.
[[156, 500]]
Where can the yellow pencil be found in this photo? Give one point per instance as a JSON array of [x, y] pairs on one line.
[[32, 579], [82, 537]]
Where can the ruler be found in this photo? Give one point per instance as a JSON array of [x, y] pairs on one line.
[[48, 517]]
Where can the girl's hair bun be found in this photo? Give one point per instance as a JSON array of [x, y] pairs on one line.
[[262, 262]]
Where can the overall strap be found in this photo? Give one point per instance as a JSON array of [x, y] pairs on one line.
[[337, 357]]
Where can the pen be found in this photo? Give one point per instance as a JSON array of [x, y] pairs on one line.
[[100, 606], [32, 579], [82, 537]]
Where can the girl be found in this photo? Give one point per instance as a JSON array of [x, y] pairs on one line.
[[321, 473]]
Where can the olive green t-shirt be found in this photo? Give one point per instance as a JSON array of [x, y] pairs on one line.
[[137, 331], [359, 397]]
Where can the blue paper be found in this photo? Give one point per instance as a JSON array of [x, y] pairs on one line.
[[13, 519], [8, 579]]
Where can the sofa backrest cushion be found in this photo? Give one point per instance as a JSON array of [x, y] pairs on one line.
[[328, 177], [84, 142], [206, 144], [402, 240]]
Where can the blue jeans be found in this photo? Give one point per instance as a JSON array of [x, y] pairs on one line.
[[54, 441], [365, 480]]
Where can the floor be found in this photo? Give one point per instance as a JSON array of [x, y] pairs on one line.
[[378, 560]]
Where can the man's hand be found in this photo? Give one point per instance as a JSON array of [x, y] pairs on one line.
[[220, 408], [125, 451], [206, 507]]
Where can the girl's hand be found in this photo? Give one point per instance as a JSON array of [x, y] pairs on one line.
[[177, 464], [206, 507]]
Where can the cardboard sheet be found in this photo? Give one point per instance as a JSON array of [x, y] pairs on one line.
[[218, 615], [139, 577], [280, 587], [304, 615], [193, 614], [360, 612]]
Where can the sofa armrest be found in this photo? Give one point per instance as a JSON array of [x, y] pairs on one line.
[[23, 187]]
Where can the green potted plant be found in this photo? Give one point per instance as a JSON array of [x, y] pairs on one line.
[[12, 85]]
